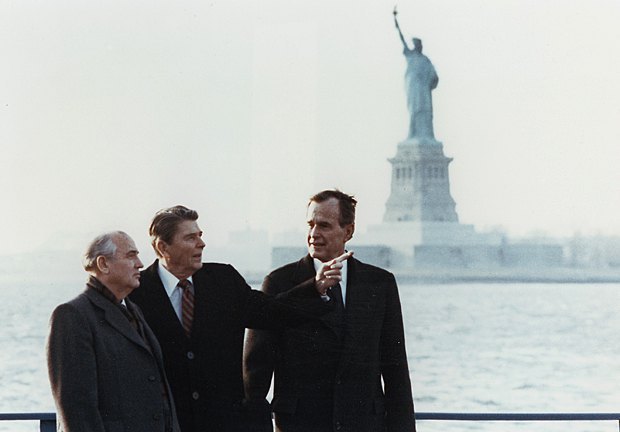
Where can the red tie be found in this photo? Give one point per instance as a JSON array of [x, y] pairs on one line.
[[187, 306]]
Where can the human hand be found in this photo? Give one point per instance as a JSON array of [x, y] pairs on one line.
[[330, 273]]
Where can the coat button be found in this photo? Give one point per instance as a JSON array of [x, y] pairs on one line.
[[190, 355], [195, 395], [151, 377], [338, 425], [156, 416]]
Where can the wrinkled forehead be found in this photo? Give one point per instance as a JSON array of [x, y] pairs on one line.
[[324, 210], [124, 244]]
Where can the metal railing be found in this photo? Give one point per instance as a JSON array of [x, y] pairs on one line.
[[47, 421], [518, 417]]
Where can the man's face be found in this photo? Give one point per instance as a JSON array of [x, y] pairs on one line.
[[124, 267], [326, 238], [183, 256]]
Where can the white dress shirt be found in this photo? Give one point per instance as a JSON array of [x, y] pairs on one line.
[[175, 294]]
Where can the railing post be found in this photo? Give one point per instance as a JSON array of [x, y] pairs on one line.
[[47, 426]]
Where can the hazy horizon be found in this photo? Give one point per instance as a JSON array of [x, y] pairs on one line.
[[241, 110]]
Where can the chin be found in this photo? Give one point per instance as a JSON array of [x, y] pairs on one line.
[[318, 256]]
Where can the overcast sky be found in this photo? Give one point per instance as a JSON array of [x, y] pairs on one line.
[[111, 110]]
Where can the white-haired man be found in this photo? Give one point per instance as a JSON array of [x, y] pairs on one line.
[[105, 365]]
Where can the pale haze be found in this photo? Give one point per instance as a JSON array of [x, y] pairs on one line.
[[112, 110]]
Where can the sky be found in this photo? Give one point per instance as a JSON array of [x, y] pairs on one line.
[[112, 110]]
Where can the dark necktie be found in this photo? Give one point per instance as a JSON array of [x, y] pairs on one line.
[[187, 306], [130, 316], [338, 315], [335, 293]]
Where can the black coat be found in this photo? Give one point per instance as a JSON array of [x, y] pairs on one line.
[[104, 376], [326, 379], [205, 370]]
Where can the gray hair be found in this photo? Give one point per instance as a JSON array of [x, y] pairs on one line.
[[102, 245]]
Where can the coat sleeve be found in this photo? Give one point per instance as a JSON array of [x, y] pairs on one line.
[[394, 367], [273, 309], [72, 371]]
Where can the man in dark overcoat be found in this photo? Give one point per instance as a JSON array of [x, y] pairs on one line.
[[105, 365], [328, 373]]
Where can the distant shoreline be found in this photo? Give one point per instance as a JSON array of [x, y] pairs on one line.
[[518, 275], [456, 276]]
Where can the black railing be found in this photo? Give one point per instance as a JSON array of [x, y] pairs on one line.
[[518, 417], [47, 421]]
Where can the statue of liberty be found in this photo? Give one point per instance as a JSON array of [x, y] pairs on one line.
[[420, 80]]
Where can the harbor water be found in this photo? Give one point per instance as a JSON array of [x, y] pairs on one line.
[[471, 348]]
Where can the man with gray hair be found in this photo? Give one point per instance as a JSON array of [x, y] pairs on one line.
[[348, 371], [104, 362]]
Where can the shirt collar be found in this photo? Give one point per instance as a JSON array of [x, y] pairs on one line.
[[169, 280], [343, 270]]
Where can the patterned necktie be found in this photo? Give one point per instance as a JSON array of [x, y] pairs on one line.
[[187, 306]]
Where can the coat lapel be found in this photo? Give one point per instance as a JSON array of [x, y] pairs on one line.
[[361, 297], [159, 302], [361, 304], [205, 293], [115, 317], [305, 270]]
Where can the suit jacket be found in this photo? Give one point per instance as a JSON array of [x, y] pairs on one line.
[[205, 369], [104, 376], [327, 379]]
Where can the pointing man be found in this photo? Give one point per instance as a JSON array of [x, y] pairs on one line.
[[199, 312]]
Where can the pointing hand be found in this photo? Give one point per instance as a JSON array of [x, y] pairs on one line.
[[330, 273]]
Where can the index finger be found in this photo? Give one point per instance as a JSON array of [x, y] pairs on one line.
[[345, 256]]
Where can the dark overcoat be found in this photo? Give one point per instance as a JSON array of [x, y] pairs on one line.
[[328, 377], [104, 375]]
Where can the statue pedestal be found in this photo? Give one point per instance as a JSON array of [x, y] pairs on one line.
[[420, 186]]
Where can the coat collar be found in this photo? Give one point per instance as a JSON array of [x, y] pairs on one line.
[[304, 270], [114, 316]]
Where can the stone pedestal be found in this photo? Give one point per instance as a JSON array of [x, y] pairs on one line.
[[420, 187]]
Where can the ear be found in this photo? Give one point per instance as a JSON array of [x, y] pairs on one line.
[[349, 230], [102, 264], [161, 247]]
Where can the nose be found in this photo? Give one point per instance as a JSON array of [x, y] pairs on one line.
[[313, 232], [201, 243], [139, 264]]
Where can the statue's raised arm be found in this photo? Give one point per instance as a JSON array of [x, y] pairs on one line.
[[400, 33]]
